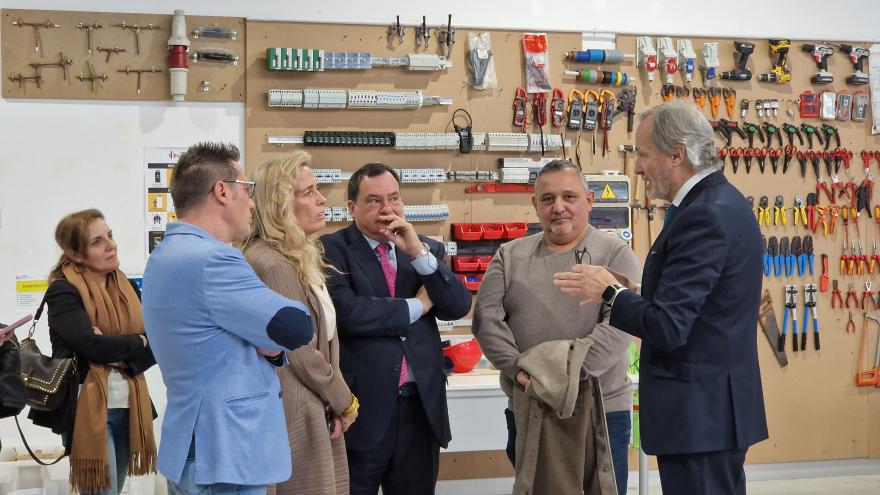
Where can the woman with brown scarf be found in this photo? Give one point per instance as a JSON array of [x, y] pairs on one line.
[[95, 314], [284, 253]]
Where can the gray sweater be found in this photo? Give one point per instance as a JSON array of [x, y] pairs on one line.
[[518, 307]]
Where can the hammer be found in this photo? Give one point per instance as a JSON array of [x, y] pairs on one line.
[[626, 149]]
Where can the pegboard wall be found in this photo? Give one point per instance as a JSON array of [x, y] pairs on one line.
[[814, 393], [94, 44]]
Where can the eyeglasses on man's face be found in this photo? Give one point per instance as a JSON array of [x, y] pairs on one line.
[[251, 185]]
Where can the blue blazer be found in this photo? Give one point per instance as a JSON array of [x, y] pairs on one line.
[[374, 332], [699, 381], [205, 313]]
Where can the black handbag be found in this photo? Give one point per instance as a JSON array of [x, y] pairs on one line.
[[46, 379], [11, 386]]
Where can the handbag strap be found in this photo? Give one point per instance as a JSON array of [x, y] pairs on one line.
[[31, 452], [37, 316]]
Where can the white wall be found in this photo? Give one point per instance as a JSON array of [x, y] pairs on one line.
[[61, 156]]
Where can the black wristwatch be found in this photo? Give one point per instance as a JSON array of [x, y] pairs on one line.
[[611, 292]]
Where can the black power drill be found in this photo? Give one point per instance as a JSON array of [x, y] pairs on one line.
[[740, 73], [820, 56]]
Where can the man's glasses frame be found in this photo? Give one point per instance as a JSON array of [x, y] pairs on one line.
[[251, 185]]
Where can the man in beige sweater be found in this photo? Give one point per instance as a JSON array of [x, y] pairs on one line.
[[518, 307]]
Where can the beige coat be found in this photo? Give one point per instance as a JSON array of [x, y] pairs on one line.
[[311, 381], [562, 440]]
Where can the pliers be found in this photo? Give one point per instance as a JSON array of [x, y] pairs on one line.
[[809, 254], [795, 258], [789, 153], [770, 253], [774, 154], [791, 295], [875, 259], [729, 100], [851, 294], [781, 259], [764, 211], [836, 297], [869, 293], [812, 201], [800, 212], [810, 303], [780, 212], [802, 160], [714, 101]]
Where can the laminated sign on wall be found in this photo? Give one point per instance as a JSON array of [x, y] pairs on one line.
[[159, 165]]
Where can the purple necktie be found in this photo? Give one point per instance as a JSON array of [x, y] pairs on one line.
[[390, 279]]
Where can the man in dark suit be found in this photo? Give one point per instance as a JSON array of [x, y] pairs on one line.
[[390, 285], [700, 386]]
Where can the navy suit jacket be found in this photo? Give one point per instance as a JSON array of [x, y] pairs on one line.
[[374, 332], [699, 383]]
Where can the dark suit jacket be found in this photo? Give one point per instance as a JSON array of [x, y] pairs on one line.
[[374, 331], [699, 383]]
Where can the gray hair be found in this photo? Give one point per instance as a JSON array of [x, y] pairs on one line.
[[561, 166], [681, 122]]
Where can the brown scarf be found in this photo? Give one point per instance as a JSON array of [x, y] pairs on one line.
[[115, 309]]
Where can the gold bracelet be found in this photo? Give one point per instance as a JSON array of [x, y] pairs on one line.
[[353, 408]]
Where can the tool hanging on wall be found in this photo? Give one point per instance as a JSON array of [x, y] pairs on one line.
[[686, 58], [557, 108], [423, 34], [730, 102], [626, 102], [520, 113], [791, 298], [137, 28], [770, 325], [810, 305], [396, 29], [215, 55], [127, 70], [779, 74], [539, 108], [646, 56], [709, 61], [63, 63], [606, 116], [740, 73], [792, 131], [857, 55], [215, 32], [110, 51], [89, 28], [446, 38], [92, 78], [668, 58], [177, 47], [820, 55], [591, 116], [36, 26], [21, 79], [868, 377]]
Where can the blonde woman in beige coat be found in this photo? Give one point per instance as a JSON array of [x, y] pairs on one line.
[[283, 252]]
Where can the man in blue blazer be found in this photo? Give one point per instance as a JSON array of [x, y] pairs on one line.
[[213, 325], [700, 386], [390, 286]]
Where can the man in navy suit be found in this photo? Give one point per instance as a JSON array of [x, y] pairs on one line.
[[390, 285], [700, 386]]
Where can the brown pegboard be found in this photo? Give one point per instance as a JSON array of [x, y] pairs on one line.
[[226, 81], [813, 407]]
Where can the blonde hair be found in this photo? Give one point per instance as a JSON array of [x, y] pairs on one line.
[[72, 235], [274, 220]]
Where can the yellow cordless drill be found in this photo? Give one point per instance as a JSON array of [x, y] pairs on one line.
[[779, 74]]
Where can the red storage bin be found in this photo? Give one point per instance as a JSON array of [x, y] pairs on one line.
[[471, 281], [465, 264], [467, 231], [515, 230], [483, 262], [493, 231]]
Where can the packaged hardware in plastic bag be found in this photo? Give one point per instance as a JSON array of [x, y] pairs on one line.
[[481, 62], [537, 63]]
